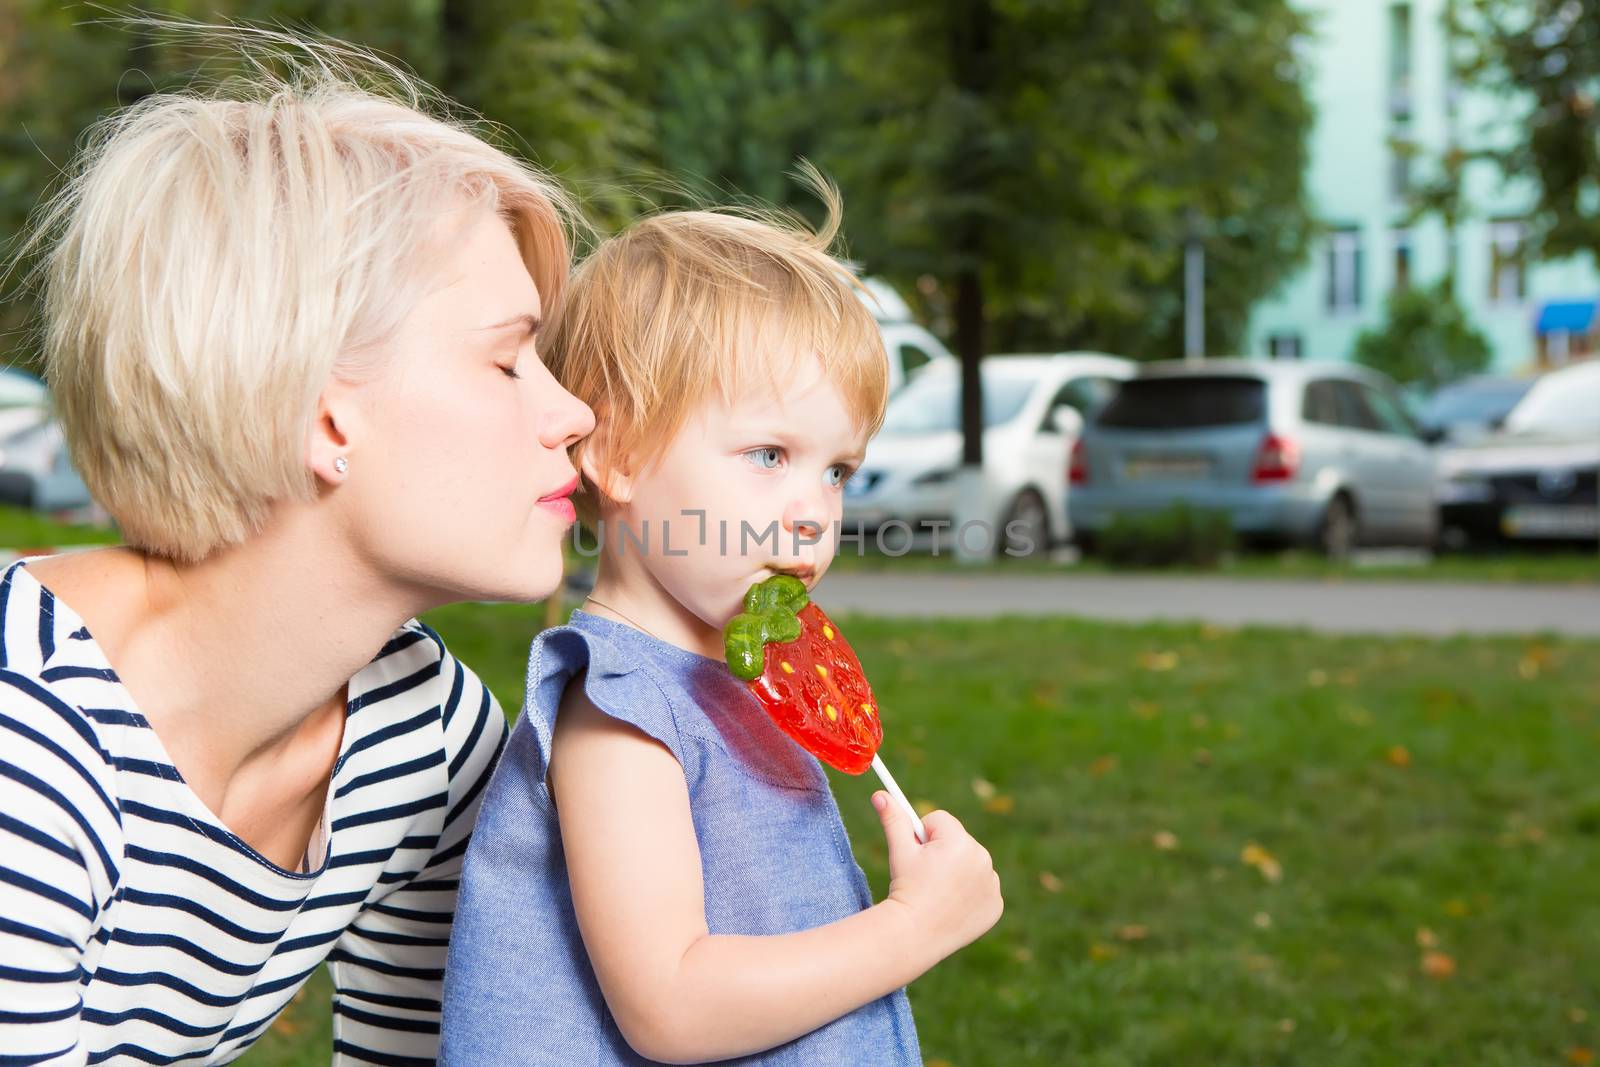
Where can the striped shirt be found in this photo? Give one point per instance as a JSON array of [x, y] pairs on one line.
[[135, 928]]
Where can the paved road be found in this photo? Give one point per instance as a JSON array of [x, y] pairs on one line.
[[1389, 607]]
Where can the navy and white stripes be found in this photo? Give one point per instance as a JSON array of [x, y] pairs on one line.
[[135, 928]]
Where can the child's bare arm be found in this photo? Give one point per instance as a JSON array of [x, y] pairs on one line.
[[680, 994]]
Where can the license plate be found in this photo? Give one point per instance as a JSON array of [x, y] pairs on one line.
[[1167, 468], [1551, 522]]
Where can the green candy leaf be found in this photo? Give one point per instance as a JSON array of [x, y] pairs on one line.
[[780, 626], [783, 590], [746, 651], [771, 615]]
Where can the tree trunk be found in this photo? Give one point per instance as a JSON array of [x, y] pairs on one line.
[[455, 32]]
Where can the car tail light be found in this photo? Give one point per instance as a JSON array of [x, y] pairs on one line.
[[1078, 470], [1277, 460]]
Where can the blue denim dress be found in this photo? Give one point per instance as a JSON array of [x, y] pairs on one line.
[[775, 858]]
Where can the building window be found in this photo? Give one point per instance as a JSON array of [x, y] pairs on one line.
[[1508, 267], [1344, 270], [1402, 259], [1401, 154], [1400, 61], [1285, 346]]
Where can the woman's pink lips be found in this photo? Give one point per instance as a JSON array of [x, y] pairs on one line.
[[558, 503], [562, 493], [561, 507]]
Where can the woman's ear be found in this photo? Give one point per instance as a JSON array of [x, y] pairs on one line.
[[328, 445], [611, 479]]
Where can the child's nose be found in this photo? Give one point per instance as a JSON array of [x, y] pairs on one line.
[[804, 518]]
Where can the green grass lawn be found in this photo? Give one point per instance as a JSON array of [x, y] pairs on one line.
[[1560, 566], [24, 529], [1226, 847]]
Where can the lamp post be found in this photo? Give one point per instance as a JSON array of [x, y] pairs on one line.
[[1194, 291]]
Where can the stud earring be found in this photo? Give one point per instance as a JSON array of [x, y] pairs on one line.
[[341, 465]]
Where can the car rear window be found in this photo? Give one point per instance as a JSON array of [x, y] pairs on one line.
[[1185, 403]]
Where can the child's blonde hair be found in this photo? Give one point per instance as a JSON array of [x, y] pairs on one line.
[[685, 306], [218, 255]]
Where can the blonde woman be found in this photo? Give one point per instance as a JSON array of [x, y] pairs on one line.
[[291, 333]]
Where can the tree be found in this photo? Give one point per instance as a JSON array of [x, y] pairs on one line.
[[539, 73], [1547, 52], [1426, 338], [731, 103]]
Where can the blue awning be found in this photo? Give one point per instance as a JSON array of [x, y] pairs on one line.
[[1567, 316]]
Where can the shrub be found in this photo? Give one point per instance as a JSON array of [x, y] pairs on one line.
[[1178, 535]]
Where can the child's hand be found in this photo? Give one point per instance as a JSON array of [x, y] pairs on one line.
[[949, 885]]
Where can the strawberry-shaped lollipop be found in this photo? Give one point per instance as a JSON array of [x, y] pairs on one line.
[[805, 675]]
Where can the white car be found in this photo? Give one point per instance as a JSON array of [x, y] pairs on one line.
[[1034, 407], [35, 471], [910, 348]]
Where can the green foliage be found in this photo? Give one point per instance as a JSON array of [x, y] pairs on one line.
[[1547, 52], [1426, 338], [1062, 158], [1176, 536], [1057, 163]]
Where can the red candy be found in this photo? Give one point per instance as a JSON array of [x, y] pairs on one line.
[[815, 690]]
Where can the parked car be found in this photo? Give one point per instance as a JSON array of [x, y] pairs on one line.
[[1536, 479], [1314, 453], [35, 471], [910, 347], [1033, 409], [1471, 408]]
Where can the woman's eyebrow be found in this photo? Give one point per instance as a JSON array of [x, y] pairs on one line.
[[529, 322]]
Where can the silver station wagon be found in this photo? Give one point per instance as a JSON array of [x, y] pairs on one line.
[[1305, 453]]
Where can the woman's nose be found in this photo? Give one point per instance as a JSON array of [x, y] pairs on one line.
[[569, 421]]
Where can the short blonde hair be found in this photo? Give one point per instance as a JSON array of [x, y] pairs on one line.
[[218, 255], [685, 306]]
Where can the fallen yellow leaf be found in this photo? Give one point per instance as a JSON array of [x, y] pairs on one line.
[[983, 789], [1253, 855], [1145, 709], [1580, 1054], [1316, 679], [1103, 766], [1022, 954], [1426, 938], [1049, 882], [1356, 716], [1101, 953], [1262, 920], [1438, 965], [1286, 1026], [1455, 908], [1165, 840], [1133, 932], [1158, 661], [1004, 804], [924, 807], [1398, 756]]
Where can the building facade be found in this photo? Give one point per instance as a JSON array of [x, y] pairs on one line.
[[1389, 109]]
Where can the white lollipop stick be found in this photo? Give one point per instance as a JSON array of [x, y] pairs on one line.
[[899, 798]]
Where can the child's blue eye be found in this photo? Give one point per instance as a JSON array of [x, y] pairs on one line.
[[765, 458], [837, 476]]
